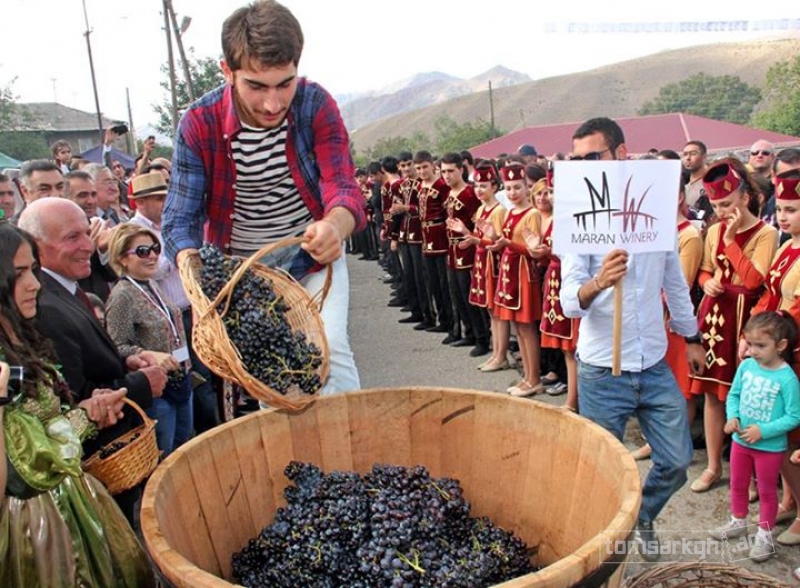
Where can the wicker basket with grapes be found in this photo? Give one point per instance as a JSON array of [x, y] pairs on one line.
[[257, 326]]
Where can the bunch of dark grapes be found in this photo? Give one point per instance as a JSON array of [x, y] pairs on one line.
[[395, 527], [256, 323], [115, 446]]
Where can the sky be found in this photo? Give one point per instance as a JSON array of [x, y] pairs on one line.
[[351, 45]]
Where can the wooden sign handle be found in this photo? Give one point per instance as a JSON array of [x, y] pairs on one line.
[[616, 337]]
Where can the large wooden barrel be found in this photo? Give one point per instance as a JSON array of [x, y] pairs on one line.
[[563, 484]]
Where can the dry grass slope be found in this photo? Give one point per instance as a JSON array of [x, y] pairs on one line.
[[616, 90]]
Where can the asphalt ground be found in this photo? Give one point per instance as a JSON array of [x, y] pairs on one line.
[[390, 354]]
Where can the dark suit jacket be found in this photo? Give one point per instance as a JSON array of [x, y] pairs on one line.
[[100, 280], [89, 359]]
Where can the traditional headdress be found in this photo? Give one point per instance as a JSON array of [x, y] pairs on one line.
[[512, 172], [787, 185], [721, 180]]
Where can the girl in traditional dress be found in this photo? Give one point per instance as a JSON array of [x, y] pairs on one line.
[[690, 252], [558, 331], [738, 251], [783, 293], [59, 527], [484, 270], [518, 296]]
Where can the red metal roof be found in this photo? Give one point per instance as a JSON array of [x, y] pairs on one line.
[[661, 131]]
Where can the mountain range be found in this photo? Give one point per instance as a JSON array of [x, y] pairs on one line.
[[616, 90], [419, 91]]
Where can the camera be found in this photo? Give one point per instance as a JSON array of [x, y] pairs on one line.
[[15, 379]]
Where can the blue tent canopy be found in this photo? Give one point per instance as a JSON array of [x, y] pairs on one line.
[[95, 154]]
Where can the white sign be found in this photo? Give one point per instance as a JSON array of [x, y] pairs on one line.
[[603, 205]]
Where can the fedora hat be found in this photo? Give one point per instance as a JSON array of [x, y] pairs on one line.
[[149, 184]]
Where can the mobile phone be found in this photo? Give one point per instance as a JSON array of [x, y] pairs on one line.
[[120, 129]]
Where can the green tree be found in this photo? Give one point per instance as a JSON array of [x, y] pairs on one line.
[[206, 75], [24, 145], [454, 137], [8, 106], [725, 98], [779, 111], [389, 146]]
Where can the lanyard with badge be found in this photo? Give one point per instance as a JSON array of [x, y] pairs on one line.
[[181, 354]]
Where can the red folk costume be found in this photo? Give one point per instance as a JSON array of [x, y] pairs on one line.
[[690, 252], [485, 268], [518, 296], [558, 331], [389, 227], [783, 279], [740, 268], [462, 206], [410, 225], [432, 216]]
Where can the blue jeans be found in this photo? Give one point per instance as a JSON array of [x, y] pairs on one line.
[[174, 422], [653, 396]]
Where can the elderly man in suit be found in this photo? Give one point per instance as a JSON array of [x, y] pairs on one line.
[[89, 358]]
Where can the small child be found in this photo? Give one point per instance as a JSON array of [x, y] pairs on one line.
[[762, 407]]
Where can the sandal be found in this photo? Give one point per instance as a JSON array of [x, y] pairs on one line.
[[705, 481], [524, 388]]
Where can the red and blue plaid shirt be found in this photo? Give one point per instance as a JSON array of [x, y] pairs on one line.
[[200, 203]]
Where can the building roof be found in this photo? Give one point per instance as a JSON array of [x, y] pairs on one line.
[[661, 131], [51, 116]]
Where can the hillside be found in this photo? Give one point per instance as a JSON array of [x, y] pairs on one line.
[[616, 90]]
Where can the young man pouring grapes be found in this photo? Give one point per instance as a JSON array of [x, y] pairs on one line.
[[265, 157]]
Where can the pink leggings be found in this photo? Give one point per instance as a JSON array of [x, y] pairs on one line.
[[767, 466]]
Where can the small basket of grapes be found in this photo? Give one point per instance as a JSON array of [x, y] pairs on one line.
[[257, 326], [129, 459]]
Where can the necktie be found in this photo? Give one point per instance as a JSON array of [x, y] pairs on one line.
[[80, 294]]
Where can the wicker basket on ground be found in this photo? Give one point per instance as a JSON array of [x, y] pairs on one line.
[[215, 349], [134, 462], [701, 575]]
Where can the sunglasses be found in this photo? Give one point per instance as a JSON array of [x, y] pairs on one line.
[[763, 152], [144, 251], [591, 156]]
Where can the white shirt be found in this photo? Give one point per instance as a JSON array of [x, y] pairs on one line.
[[644, 338]]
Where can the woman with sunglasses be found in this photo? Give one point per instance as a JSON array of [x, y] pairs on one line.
[[59, 527], [737, 255], [139, 317]]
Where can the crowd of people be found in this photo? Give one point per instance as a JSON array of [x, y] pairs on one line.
[[93, 311], [467, 247]]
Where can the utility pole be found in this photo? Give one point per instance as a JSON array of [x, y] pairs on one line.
[[171, 61], [491, 112], [94, 79], [178, 39], [131, 141]]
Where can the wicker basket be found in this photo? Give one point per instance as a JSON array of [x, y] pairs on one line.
[[215, 349], [124, 469], [701, 575]]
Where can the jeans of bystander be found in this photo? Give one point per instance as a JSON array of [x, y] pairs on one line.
[[653, 396]]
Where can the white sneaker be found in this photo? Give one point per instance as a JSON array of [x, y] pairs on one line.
[[762, 548], [733, 528]]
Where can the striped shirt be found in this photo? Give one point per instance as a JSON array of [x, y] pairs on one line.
[[268, 206]]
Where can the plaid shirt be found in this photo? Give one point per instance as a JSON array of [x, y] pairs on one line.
[[200, 203]]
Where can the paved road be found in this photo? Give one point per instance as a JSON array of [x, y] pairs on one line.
[[389, 354]]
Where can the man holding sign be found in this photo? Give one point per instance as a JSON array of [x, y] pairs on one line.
[[618, 256]]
